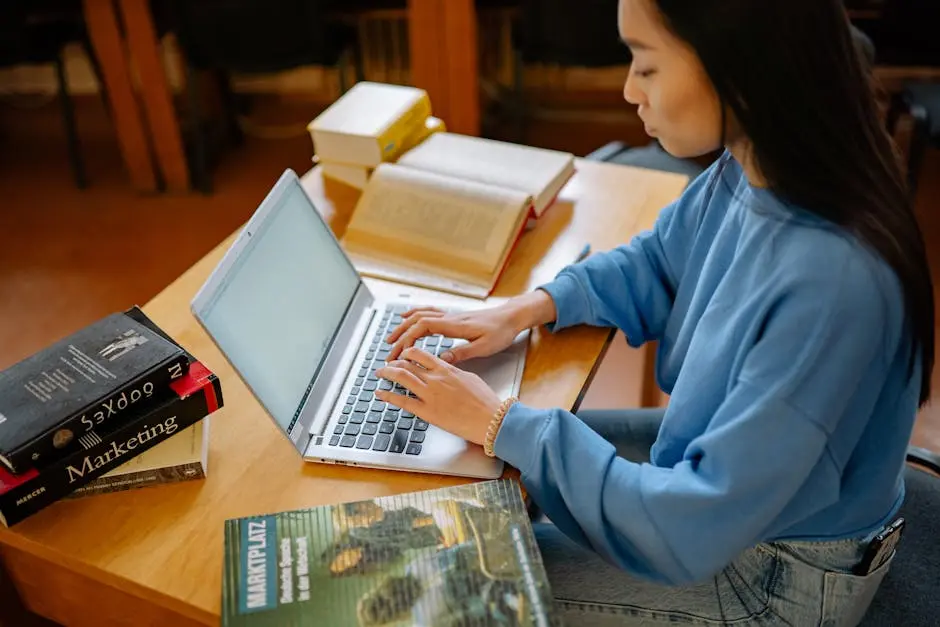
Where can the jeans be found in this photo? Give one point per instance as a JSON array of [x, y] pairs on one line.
[[775, 583]]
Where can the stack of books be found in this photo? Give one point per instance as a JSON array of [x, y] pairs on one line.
[[370, 124], [94, 404]]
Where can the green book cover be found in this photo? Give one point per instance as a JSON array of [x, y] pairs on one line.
[[460, 556]]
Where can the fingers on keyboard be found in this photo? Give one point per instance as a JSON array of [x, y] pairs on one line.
[[364, 422]]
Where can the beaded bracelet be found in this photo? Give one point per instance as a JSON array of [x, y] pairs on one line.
[[497, 421]]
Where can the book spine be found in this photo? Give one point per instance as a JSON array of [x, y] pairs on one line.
[[155, 476], [393, 141], [417, 136], [57, 481], [103, 417]]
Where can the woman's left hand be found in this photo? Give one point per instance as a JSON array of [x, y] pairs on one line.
[[453, 399]]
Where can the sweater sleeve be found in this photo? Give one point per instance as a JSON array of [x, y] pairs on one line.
[[632, 286], [683, 524]]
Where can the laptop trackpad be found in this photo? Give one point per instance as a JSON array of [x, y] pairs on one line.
[[502, 371]]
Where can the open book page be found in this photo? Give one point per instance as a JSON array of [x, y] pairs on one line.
[[538, 172], [438, 279], [438, 224]]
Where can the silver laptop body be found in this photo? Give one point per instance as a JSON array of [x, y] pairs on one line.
[[297, 323]]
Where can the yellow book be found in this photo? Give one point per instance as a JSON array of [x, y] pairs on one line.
[[431, 125], [369, 123], [358, 175]]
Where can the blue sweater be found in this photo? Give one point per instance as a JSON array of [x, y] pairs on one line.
[[784, 346]]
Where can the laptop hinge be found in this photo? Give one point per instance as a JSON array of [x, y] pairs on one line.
[[338, 364]]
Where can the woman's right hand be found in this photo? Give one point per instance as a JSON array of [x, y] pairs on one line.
[[487, 331]]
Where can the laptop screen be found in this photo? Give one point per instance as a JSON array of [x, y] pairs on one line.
[[276, 310]]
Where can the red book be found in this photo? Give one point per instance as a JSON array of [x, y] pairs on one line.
[[197, 394]]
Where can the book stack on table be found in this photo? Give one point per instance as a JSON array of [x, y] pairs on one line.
[[115, 405], [370, 124]]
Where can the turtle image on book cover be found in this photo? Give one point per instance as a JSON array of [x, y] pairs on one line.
[[469, 577]]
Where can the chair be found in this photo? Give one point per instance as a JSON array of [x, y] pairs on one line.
[[905, 37], [560, 33], [864, 46], [922, 102], [250, 37], [908, 595], [905, 33], [39, 35], [564, 33]]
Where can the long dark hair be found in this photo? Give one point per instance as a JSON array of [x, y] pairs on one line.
[[798, 89]]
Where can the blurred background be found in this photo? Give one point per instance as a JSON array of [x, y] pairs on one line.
[[135, 135]]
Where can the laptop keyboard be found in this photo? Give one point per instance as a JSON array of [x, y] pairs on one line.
[[368, 423]]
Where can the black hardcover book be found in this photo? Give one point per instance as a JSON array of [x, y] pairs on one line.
[[136, 313], [196, 395], [90, 380]]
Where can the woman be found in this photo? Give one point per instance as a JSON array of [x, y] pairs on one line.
[[790, 293]]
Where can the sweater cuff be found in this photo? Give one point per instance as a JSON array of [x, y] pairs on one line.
[[571, 303], [519, 435]]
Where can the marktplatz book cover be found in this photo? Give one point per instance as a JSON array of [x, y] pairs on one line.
[[450, 557]]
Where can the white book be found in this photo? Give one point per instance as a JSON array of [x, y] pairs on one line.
[[182, 457], [353, 175], [536, 172], [369, 124]]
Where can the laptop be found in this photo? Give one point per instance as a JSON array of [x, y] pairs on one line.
[[296, 321]]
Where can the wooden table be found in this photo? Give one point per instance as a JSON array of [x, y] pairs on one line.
[[154, 556], [443, 52]]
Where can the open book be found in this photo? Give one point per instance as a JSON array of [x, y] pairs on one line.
[[538, 172], [449, 218]]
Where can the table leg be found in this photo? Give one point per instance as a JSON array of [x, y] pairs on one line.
[[49, 588], [463, 72], [157, 99], [9, 599], [425, 40], [444, 60], [12, 612], [105, 35]]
